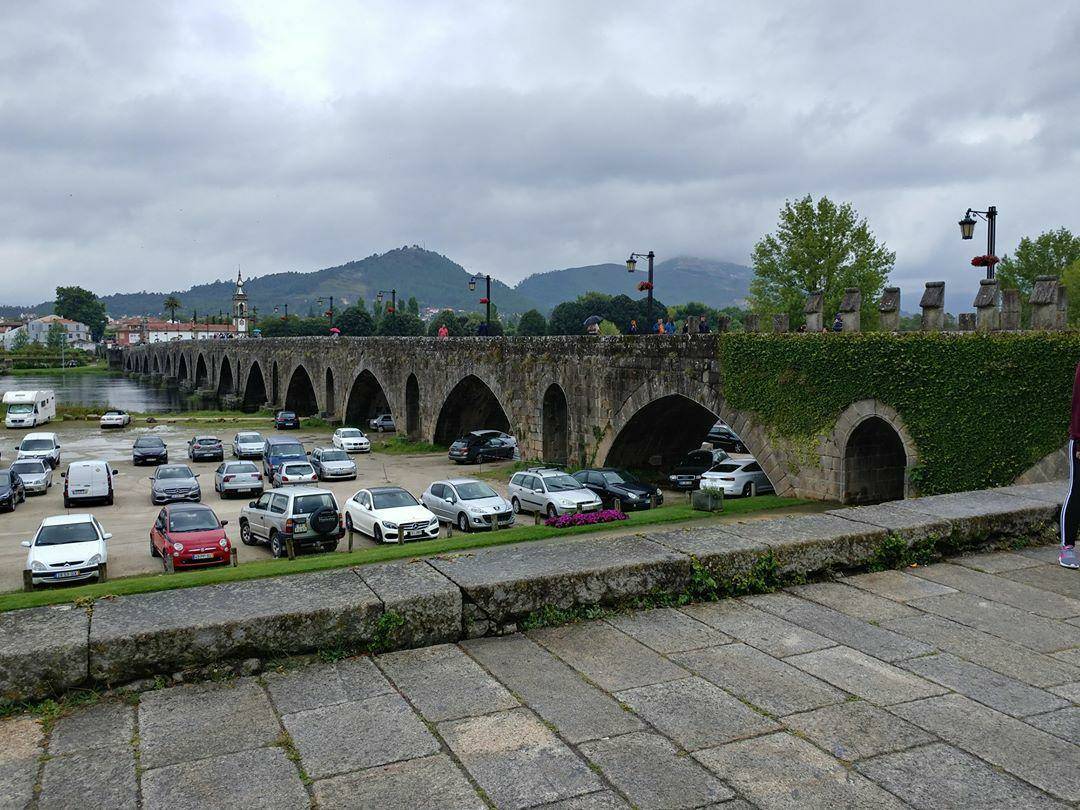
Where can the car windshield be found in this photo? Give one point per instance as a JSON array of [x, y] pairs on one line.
[[36, 444], [561, 483], [149, 441], [66, 533], [28, 467], [475, 490], [334, 455], [193, 520], [286, 415], [619, 477], [299, 469], [287, 449], [172, 472], [112, 413], [726, 468], [20, 408], [351, 433], [5, 478], [241, 467], [248, 438], [697, 460], [391, 499], [208, 440], [306, 504]]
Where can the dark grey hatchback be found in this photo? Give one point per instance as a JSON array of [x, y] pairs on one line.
[[149, 450]]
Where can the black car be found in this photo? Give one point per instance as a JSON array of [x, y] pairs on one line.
[[724, 438], [613, 484], [482, 445], [149, 450], [12, 491], [205, 448], [687, 473], [287, 420]]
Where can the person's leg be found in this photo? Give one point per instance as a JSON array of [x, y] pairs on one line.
[[1070, 512]]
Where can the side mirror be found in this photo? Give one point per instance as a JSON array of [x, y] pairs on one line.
[[115, 472], [63, 475], [252, 504], [107, 536], [450, 499], [25, 544], [224, 523], [197, 474]]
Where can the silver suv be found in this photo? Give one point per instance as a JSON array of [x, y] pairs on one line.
[[550, 491], [308, 515]]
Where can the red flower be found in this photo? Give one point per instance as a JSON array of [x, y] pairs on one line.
[[483, 300], [987, 260], [644, 286], [389, 310]]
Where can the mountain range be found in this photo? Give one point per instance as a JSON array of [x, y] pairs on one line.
[[437, 281]]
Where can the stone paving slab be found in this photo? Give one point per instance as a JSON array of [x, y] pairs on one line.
[[1051, 578], [106, 725], [757, 628], [856, 730], [1064, 723], [429, 783], [323, 684], [603, 800], [899, 586], [858, 604], [868, 678], [169, 630], [1004, 621], [813, 542], [1003, 590], [910, 525], [428, 602], [21, 739], [93, 780], [995, 562], [42, 651], [666, 630], [1052, 492]]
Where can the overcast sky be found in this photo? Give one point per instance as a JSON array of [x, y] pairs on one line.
[[154, 145]]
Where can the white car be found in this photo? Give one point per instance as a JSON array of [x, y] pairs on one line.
[[550, 492], [351, 440], [117, 419], [294, 472], [35, 474], [735, 475], [67, 548], [389, 515], [44, 446]]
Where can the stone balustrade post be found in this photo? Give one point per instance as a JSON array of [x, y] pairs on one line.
[[1010, 310], [781, 323], [933, 306], [849, 309], [723, 323], [752, 322], [815, 311], [988, 306], [1047, 299], [889, 309]]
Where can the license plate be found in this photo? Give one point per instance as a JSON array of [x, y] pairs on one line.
[[65, 574], [202, 556], [411, 534]]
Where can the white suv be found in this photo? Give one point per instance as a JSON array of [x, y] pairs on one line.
[[67, 548], [550, 491]]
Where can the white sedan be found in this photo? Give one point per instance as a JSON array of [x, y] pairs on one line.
[[735, 475], [389, 515], [351, 440], [67, 548], [117, 419]]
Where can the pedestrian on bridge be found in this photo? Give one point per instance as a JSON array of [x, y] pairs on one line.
[[1070, 509]]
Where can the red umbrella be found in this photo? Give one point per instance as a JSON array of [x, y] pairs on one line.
[[334, 330]]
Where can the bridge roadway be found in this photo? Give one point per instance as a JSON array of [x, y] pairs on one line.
[[953, 685]]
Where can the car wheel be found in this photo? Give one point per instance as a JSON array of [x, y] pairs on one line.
[[67, 502], [245, 534], [746, 490], [153, 549], [515, 504], [348, 523], [277, 548], [378, 534], [463, 522], [552, 511]]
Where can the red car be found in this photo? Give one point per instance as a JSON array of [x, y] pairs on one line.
[[190, 534]]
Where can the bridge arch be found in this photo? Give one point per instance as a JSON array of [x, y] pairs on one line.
[[182, 369], [201, 373], [555, 425], [156, 365], [300, 395], [255, 394], [226, 383], [275, 392], [470, 405], [329, 398], [412, 407], [366, 399], [875, 453]]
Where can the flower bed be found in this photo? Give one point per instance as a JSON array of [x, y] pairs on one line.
[[585, 518]]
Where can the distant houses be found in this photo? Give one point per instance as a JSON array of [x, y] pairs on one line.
[[37, 331]]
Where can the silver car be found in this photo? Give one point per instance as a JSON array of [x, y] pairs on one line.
[[551, 492], [238, 477], [294, 472], [35, 474], [248, 444], [174, 482], [331, 463], [382, 422], [468, 504]]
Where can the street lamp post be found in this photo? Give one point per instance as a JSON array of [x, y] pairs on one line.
[[285, 317], [331, 313], [393, 298], [967, 231], [487, 298], [631, 265]]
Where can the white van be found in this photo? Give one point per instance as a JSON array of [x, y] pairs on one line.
[[29, 408], [42, 446], [88, 481]]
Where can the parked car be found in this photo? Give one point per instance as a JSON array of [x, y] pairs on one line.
[[383, 422], [174, 482], [551, 492], [351, 440], [67, 548], [308, 515], [468, 503], [191, 535], [735, 476], [205, 448], [278, 450], [35, 474], [294, 472], [286, 420], [687, 473], [12, 491], [481, 445], [389, 515], [115, 419], [45, 446], [612, 485], [88, 481], [724, 438], [149, 450], [238, 478], [331, 463], [248, 444]]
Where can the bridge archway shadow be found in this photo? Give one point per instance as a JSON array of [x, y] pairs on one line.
[[275, 396], [875, 463], [412, 407], [660, 434], [181, 369], [556, 425], [225, 378], [255, 395], [201, 374], [300, 395], [330, 407], [367, 399], [470, 405]]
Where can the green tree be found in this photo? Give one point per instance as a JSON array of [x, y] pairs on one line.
[[474, 319], [399, 323], [532, 323], [79, 304], [20, 341], [1046, 255], [608, 328], [818, 246], [1070, 277], [413, 306], [454, 324], [171, 303], [355, 321], [56, 338]]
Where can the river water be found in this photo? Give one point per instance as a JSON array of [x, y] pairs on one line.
[[114, 390]]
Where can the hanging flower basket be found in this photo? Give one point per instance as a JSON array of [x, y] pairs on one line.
[[644, 286], [483, 300], [389, 310], [985, 261]]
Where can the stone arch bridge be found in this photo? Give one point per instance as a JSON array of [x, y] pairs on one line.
[[621, 401]]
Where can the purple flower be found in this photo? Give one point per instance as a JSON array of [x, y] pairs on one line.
[[585, 518]]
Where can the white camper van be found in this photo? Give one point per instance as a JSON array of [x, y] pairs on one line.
[[27, 409]]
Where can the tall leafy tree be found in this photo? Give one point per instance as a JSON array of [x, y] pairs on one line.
[[455, 325], [399, 323], [171, 303], [1048, 254], [532, 323], [413, 306], [355, 321], [56, 338], [818, 246], [21, 340], [81, 305]]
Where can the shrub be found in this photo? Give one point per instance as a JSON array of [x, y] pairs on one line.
[[585, 518]]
